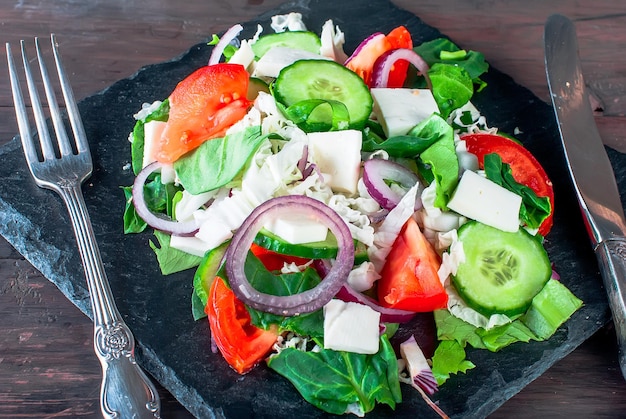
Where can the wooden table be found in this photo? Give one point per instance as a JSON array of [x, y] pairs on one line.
[[47, 366]]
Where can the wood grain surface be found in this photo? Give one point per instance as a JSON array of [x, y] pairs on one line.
[[47, 365]]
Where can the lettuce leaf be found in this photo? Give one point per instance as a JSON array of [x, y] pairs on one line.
[[449, 358], [440, 156], [160, 114]]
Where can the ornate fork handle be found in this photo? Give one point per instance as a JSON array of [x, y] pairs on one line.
[[126, 391]]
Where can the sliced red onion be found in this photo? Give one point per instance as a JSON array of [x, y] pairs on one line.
[[226, 39], [417, 365], [158, 221], [303, 302], [369, 40], [387, 315], [377, 171], [384, 64]]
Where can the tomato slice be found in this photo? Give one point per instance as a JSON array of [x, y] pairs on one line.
[[363, 62], [409, 279], [400, 37], [203, 106], [524, 166], [274, 261], [242, 344]]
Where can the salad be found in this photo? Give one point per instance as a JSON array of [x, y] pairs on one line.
[[334, 205]]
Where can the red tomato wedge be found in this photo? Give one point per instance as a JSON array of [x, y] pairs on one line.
[[242, 344], [203, 106], [524, 166], [362, 63], [409, 279], [399, 38], [274, 261]]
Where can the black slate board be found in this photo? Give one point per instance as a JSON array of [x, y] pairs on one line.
[[174, 348]]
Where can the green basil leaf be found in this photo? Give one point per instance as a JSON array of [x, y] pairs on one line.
[[217, 162]]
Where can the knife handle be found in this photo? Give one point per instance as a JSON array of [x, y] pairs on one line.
[[611, 256]]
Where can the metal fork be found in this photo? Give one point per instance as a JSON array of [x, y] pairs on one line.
[[126, 391]]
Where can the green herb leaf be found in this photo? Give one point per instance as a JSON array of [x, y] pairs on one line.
[[218, 161], [334, 380], [171, 260], [133, 223]]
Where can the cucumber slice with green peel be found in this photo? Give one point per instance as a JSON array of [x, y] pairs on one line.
[[304, 40], [255, 86], [206, 271], [502, 271], [327, 80], [326, 249]]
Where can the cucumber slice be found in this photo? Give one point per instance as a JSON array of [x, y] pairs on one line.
[[206, 271], [255, 86], [502, 271], [304, 40], [326, 80], [326, 249]]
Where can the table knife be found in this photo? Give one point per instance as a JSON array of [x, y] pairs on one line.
[[589, 166]]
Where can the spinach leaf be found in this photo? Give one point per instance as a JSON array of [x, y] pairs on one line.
[[133, 223], [335, 381], [216, 162], [172, 260], [159, 199], [534, 209]]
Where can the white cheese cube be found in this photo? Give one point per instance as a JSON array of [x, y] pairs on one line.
[[398, 110], [244, 55], [338, 156], [480, 199], [351, 327], [152, 135], [191, 245], [277, 58], [296, 229]]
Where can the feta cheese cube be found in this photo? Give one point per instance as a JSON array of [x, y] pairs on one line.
[[351, 327], [338, 156], [480, 199], [296, 229], [398, 109]]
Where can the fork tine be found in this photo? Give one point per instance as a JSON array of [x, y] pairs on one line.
[[70, 102], [40, 119], [20, 110], [63, 141]]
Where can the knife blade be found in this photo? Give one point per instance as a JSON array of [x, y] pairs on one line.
[[589, 166]]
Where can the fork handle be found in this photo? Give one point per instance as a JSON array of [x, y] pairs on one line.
[[126, 391]]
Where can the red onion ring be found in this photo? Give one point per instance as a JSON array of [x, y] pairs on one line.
[[228, 36], [158, 221], [384, 64], [387, 315], [376, 171], [303, 302], [370, 39]]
